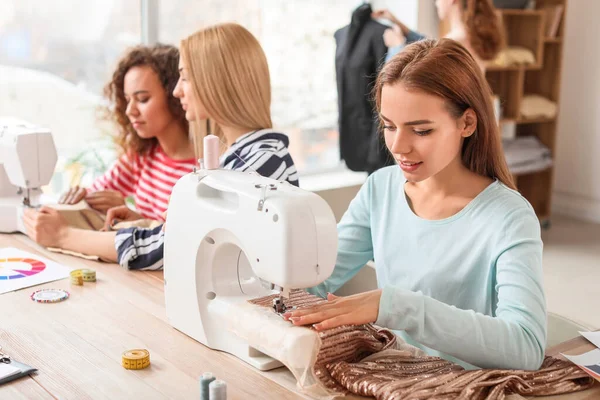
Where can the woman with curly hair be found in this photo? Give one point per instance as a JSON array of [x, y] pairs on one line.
[[473, 23], [153, 135]]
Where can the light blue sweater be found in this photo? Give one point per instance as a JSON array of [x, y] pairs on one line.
[[466, 288]]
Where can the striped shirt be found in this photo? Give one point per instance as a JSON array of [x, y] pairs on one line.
[[264, 151], [149, 178]]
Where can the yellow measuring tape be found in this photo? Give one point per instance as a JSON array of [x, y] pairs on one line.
[[78, 276], [135, 359], [89, 275]]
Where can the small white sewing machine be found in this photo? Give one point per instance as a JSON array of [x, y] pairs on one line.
[[233, 236], [27, 161]]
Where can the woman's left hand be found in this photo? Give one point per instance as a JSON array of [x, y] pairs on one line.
[[358, 309], [45, 226]]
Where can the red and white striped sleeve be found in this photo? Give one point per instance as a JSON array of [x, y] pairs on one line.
[[122, 176]]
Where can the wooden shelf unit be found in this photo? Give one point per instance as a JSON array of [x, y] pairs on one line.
[[526, 28]]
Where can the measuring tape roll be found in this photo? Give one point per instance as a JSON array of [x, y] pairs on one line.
[[89, 275], [135, 359], [77, 277]]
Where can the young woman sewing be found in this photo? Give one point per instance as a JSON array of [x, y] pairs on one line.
[[457, 250]]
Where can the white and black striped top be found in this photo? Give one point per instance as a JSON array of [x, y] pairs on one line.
[[264, 151]]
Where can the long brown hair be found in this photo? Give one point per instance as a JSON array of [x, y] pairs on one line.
[[446, 69], [164, 61], [484, 28]]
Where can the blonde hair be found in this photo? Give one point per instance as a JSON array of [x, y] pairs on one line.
[[230, 77]]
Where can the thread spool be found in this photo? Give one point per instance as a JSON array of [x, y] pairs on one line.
[[205, 381], [211, 152], [217, 390]]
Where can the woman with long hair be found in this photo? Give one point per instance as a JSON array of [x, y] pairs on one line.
[[458, 252]]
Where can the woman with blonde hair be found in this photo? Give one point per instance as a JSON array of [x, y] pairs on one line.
[[224, 88]]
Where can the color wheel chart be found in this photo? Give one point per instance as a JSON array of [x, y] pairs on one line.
[[19, 270], [15, 268]]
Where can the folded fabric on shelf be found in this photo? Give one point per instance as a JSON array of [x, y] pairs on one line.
[[526, 155], [514, 55], [536, 106]]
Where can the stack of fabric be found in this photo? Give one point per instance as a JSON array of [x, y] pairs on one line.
[[526, 155], [514, 55], [536, 106]]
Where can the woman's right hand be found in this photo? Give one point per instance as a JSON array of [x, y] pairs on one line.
[[119, 214], [393, 37], [73, 196]]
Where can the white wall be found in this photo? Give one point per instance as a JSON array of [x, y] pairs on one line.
[[427, 20], [577, 173]]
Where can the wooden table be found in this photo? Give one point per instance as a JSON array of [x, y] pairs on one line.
[[76, 345]]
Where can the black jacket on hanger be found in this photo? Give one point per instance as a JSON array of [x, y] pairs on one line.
[[360, 52]]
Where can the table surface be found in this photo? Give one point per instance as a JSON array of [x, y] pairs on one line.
[[76, 345]]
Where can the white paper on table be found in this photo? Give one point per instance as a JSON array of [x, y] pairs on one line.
[[589, 362], [7, 370], [19, 269], [593, 337]]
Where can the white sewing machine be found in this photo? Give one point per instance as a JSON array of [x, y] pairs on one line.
[[27, 161], [233, 236]]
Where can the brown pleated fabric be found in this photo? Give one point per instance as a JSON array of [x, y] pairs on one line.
[[362, 360]]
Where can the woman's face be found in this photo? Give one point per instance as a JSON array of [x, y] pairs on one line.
[[194, 110], [147, 107], [420, 133]]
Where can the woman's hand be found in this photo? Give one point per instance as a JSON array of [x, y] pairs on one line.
[[46, 226], [393, 37], [73, 195], [120, 214], [385, 14], [105, 199], [358, 309]]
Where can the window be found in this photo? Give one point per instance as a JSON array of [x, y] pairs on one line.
[[55, 57]]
